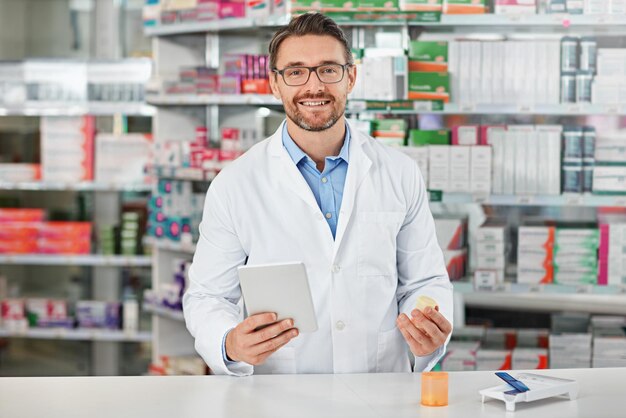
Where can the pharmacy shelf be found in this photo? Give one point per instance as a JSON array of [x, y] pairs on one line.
[[181, 173], [77, 334], [212, 99], [568, 109], [79, 187], [397, 107], [165, 312], [580, 298], [582, 200], [167, 245], [76, 260], [559, 21], [556, 20], [70, 109]]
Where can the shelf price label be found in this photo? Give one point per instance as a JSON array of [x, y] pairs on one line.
[[584, 289], [535, 288], [525, 200], [525, 109], [574, 200], [422, 106], [467, 107], [481, 198]]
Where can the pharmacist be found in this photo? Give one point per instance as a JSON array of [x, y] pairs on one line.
[[353, 211]]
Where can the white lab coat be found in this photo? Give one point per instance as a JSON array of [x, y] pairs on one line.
[[384, 256]]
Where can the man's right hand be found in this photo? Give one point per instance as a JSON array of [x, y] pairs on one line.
[[245, 344]]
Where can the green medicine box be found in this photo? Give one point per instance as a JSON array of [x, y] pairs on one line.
[[428, 56], [419, 138], [429, 86], [377, 5]]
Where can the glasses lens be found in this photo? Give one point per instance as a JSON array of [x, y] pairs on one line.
[[296, 76], [331, 73]]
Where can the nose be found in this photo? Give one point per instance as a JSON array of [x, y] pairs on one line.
[[314, 83]]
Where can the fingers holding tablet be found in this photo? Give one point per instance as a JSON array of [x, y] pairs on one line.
[[247, 343]]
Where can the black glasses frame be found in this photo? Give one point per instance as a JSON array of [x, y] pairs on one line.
[[312, 69]]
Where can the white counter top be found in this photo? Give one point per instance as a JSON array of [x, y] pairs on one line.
[[602, 394]]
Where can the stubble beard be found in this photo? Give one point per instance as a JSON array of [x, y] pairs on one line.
[[300, 120]]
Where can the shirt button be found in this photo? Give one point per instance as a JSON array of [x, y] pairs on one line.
[[335, 268], [340, 325], [328, 215], [320, 217], [324, 179]]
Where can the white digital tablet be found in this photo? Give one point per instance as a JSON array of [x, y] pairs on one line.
[[280, 288]]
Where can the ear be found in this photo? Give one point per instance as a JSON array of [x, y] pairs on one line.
[[274, 85], [351, 77]]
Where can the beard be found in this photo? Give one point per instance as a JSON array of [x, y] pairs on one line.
[[315, 123]]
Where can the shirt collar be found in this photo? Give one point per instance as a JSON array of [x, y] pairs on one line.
[[298, 155]]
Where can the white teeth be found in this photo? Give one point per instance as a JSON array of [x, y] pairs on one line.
[[313, 103]]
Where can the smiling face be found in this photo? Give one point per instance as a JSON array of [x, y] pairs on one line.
[[314, 106]]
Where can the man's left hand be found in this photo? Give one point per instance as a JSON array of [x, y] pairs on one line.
[[425, 331]]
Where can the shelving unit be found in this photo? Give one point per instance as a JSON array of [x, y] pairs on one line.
[[77, 187], [557, 21], [78, 335], [74, 109], [200, 44], [77, 260]]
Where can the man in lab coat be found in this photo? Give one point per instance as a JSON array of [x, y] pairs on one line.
[[353, 211]]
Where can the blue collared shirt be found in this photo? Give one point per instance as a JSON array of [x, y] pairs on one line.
[[327, 186]]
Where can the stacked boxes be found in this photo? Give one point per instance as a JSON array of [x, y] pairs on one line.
[[530, 358], [569, 351], [20, 172], [122, 159], [452, 237], [609, 341], [578, 159], [576, 256], [534, 254], [578, 68], [67, 148], [610, 167], [457, 168], [245, 73], [175, 211], [557, 255], [428, 66], [526, 159], [64, 238], [491, 250], [381, 77], [609, 86], [487, 359], [460, 356], [390, 131], [23, 231], [505, 72], [465, 7]]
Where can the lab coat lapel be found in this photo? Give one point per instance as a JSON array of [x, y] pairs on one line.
[[358, 167], [287, 171]]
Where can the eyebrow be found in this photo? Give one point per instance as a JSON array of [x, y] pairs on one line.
[[301, 64]]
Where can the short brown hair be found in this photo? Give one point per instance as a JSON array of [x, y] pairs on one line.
[[311, 23]]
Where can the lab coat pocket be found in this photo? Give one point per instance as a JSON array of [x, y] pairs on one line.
[[392, 353], [281, 362], [377, 233]]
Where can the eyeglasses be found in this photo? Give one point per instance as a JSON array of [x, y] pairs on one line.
[[326, 73]]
